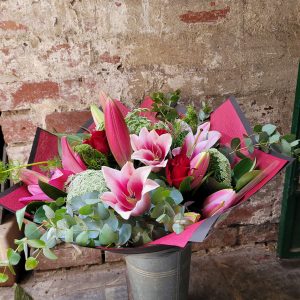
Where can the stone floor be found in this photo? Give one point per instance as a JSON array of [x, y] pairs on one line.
[[240, 274]]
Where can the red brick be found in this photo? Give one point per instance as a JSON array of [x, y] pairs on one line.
[[267, 232], [111, 59], [68, 122], [113, 257], [218, 238], [69, 256], [35, 91], [57, 48], [12, 25], [204, 16], [17, 129]]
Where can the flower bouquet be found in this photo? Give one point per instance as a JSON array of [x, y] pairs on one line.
[[140, 181]]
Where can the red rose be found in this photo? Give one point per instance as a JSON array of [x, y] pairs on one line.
[[161, 131], [177, 169], [98, 141]]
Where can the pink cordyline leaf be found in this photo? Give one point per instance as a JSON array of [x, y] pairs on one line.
[[71, 161], [129, 190], [151, 148], [218, 202], [117, 132]]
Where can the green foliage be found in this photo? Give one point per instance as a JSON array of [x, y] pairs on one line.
[[3, 277], [165, 105], [219, 166], [91, 157], [178, 134], [51, 191], [135, 122], [204, 112], [191, 118]]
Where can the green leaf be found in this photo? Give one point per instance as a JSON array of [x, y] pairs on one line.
[[294, 143], [286, 147], [159, 195], [50, 214], [235, 144], [39, 216], [31, 231], [3, 277], [11, 269], [69, 233], [85, 210], [13, 257], [246, 178], [31, 263], [185, 185], [49, 254], [36, 243], [242, 167], [60, 201], [108, 236], [164, 218], [124, 234], [257, 128], [263, 137], [51, 191], [102, 211], [289, 137], [20, 216], [82, 238], [269, 129]]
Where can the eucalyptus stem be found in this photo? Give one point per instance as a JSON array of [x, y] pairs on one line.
[[24, 166]]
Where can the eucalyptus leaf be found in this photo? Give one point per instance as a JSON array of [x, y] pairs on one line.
[[50, 214], [3, 277], [31, 263], [32, 231], [178, 228], [82, 238], [176, 196], [257, 128], [36, 243], [20, 216], [124, 234], [85, 210], [13, 257], [108, 236], [269, 129], [39, 215], [235, 144], [49, 254], [69, 233]]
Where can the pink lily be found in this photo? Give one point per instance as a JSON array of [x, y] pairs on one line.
[[203, 140], [218, 202], [130, 187], [117, 132], [31, 178], [151, 148], [70, 160]]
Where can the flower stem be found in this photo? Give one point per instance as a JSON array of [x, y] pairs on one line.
[[24, 166]]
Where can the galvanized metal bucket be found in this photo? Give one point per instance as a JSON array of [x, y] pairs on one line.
[[162, 275]]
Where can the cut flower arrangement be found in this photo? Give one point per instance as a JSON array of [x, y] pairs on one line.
[[139, 179]]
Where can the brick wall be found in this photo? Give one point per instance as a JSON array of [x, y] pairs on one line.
[[55, 57]]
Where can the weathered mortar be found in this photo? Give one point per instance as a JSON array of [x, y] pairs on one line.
[[55, 57]]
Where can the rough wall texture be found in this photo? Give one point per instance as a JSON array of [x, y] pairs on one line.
[[55, 57]]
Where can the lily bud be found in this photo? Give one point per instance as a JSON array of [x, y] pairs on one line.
[[199, 165], [71, 161], [98, 117], [30, 177], [117, 132], [218, 202]]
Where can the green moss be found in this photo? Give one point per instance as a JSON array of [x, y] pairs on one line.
[[91, 157], [220, 166], [86, 182]]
